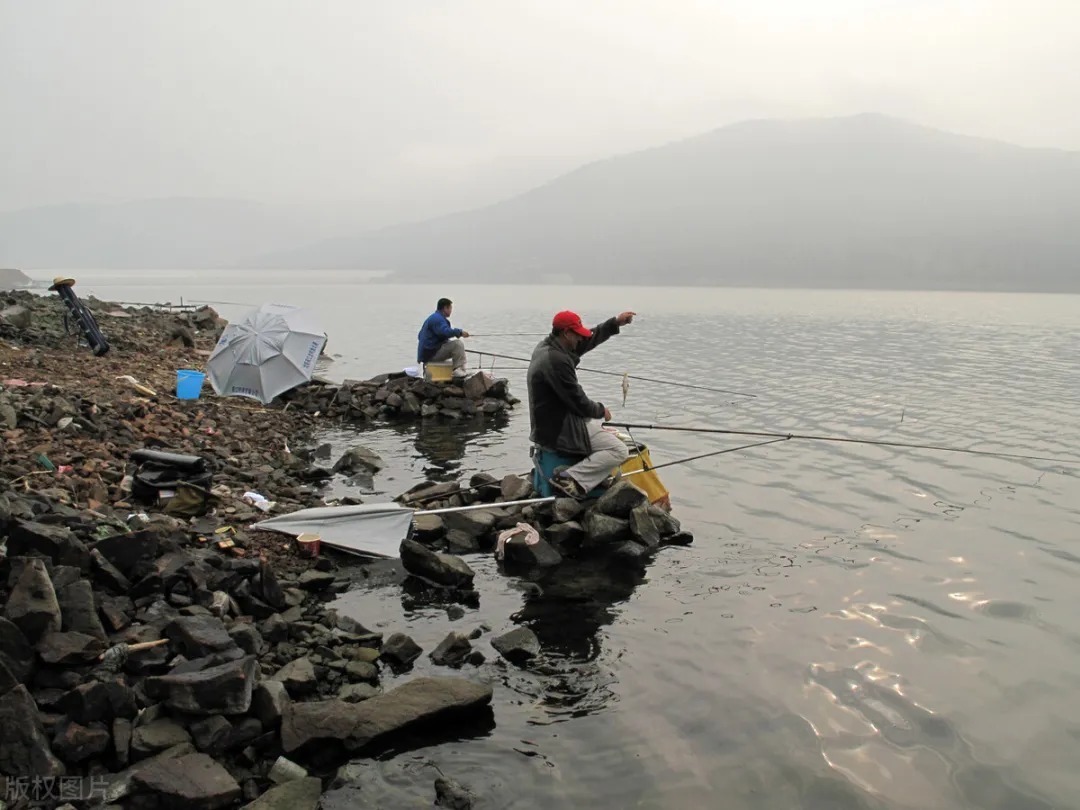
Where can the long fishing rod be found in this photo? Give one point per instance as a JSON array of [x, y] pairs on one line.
[[847, 440], [628, 376], [701, 455]]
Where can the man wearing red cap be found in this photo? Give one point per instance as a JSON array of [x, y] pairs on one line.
[[562, 418]]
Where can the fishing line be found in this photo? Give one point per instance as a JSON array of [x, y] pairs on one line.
[[848, 440], [630, 376]]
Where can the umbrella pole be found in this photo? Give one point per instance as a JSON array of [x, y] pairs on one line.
[[476, 506]]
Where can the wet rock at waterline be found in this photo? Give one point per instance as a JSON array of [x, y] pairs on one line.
[[442, 569], [518, 646]]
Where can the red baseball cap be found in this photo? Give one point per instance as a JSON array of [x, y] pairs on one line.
[[570, 320]]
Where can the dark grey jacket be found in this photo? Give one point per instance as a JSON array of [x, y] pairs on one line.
[[559, 410]]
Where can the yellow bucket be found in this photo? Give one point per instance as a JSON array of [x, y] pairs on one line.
[[647, 482], [440, 372]]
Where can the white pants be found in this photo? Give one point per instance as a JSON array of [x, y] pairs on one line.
[[451, 350], [608, 453]]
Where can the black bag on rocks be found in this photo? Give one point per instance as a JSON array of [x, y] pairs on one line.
[[179, 483]]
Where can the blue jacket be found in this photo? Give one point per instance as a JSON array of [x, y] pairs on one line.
[[433, 334]]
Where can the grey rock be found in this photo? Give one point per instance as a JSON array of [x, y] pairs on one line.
[[357, 692], [452, 795], [629, 552], [121, 739], [117, 611], [70, 648], [565, 536], [621, 499], [442, 569], [157, 736], [314, 581], [210, 734], [269, 587], [428, 528], [199, 636], [359, 725], [74, 743], [77, 609], [400, 650], [679, 539], [459, 542], [452, 650], [517, 646], [222, 689], [15, 651], [476, 385], [298, 677], [7, 679], [362, 671], [474, 524], [32, 605], [643, 527], [108, 575], [247, 638], [299, 794], [515, 488], [99, 702], [665, 523], [359, 459], [275, 629], [518, 553], [268, 702], [564, 510], [17, 316], [24, 749], [603, 530], [194, 782], [58, 543]]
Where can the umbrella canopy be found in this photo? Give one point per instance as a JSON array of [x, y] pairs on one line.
[[267, 352]]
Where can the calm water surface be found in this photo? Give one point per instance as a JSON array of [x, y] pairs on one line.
[[854, 627]]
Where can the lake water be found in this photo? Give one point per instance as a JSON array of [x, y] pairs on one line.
[[854, 627]]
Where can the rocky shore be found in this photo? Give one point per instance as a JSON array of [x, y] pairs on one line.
[[151, 658]]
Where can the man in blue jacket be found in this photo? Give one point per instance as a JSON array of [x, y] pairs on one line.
[[436, 341]]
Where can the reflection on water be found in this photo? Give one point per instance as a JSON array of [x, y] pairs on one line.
[[854, 627]]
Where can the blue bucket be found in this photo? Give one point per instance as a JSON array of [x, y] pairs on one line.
[[189, 383]]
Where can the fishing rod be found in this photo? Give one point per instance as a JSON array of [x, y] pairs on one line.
[[628, 376], [701, 455], [846, 440], [521, 334]]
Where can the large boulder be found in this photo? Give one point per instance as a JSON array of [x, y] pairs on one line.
[[400, 650], [517, 646], [359, 459], [15, 651], [70, 648], [24, 749], [222, 689], [518, 553], [299, 794], [603, 530], [621, 499], [78, 611], [199, 636], [99, 702], [32, 605], [475, 523], [157, 736], [452, 650], [356, 726], [442, 569], [58, 543], [192, 782], [298, 677]]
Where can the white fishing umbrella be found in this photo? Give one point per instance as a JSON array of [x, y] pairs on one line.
[[269, 351]]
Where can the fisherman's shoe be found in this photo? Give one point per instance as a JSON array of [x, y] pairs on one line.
[[563, 483]]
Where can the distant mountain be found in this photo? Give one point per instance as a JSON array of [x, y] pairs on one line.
[[186, 232], [10, 278], [864, 201]]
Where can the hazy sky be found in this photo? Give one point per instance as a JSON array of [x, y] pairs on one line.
[[348, 99]]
